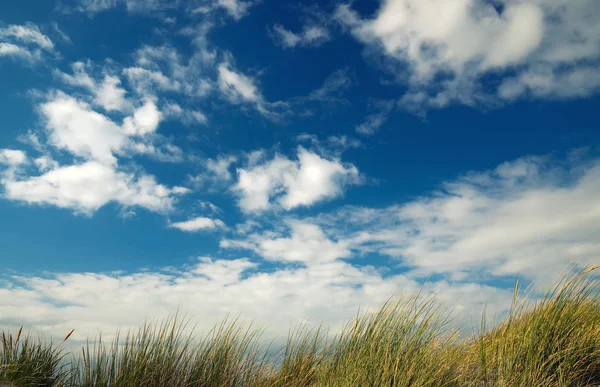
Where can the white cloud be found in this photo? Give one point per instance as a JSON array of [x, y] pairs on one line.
[[546, 82], [304, 182], [220, 167], [215, 172], [336, 82], [25, 42], [311, 35], [235, 8], [28, 34], [94, 177], [237, 87], [531, 217], [12, 50], [198, 224], [314, 180], [256, 185], [187, 116], [374, 121], [137, 6], [332, 145], [58, 31], [163, 68], [45, 163], [444, 49], [12, 157], [108, 94], [329, 291], [145, 120], [74, 126], [146, 81], [158, 148], [89, 186]]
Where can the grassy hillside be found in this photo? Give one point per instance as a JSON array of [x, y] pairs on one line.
[[408, 342]]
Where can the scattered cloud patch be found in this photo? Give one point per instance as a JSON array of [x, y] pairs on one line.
[[25, 42], [97, 144], [492, 224], [187, 116], [216, 172], [108, 93], [311, 35], [237, 9], [306, 244], [89, 186], [198, 224], [236, 86], [27, 34], [12, 157], [293, 183], [443, 52], [134, 6]]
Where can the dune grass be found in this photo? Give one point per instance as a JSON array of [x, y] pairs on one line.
[[553, 342]]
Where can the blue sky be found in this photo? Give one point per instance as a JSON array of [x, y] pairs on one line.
[[291, 161]]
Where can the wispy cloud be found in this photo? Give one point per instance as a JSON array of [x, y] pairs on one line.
[[25, 42], [311, 35], [375, 120]]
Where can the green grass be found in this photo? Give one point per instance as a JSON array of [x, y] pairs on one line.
[[408, 342]]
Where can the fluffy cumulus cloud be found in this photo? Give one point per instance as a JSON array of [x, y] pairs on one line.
[[88, 186], [157, 76], [447, 47], [25, 42], [12, 158], [198, 224], [293, 183], [97, 144], [72, 125]]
